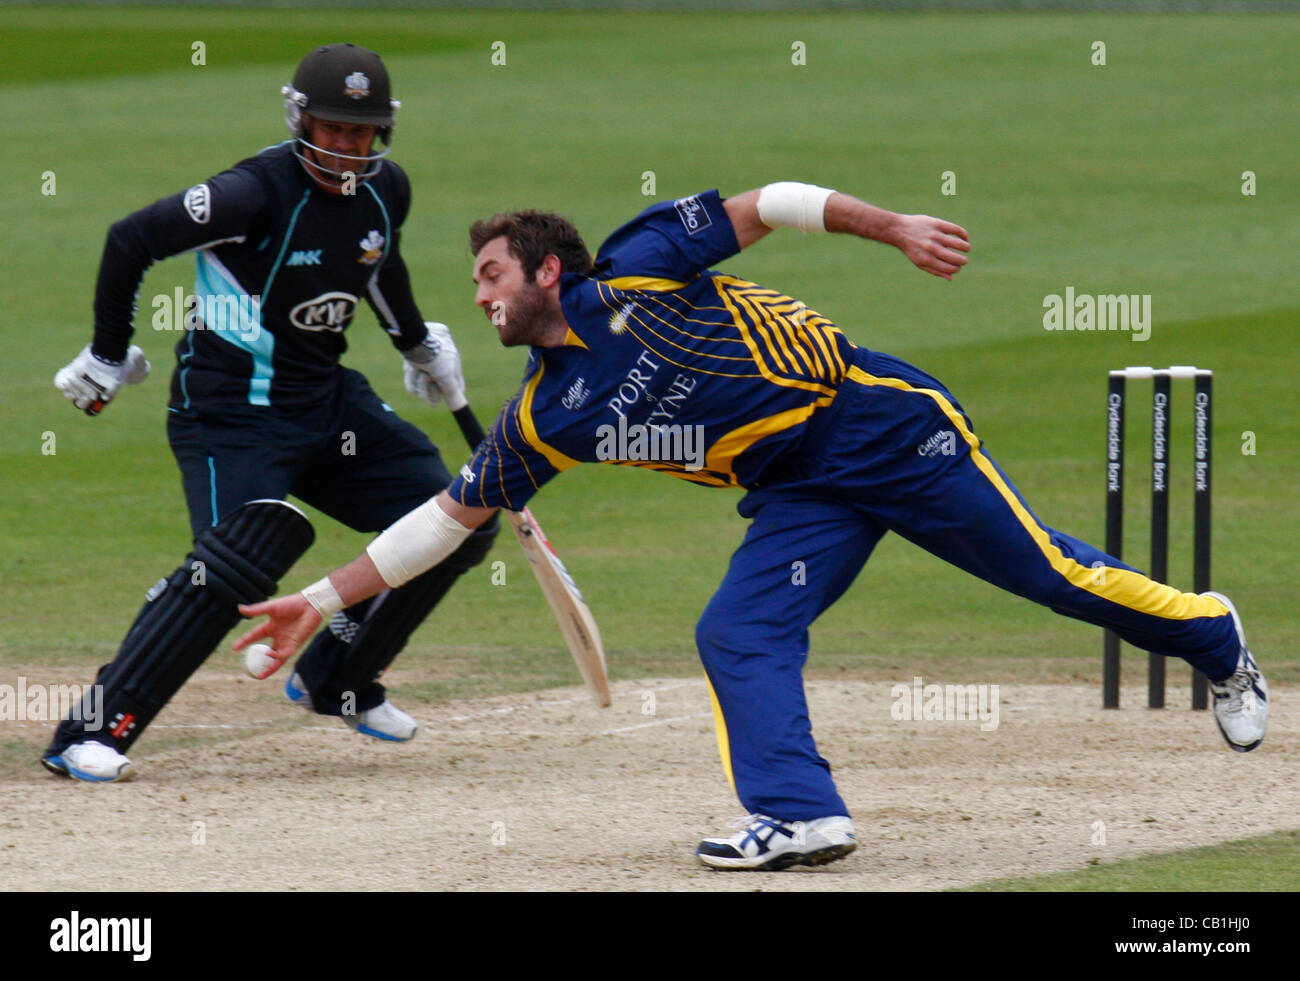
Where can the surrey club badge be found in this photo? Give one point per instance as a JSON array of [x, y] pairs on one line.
[[356, 85], [372, 247]]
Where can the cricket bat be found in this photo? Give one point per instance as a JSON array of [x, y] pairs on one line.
[[562, 594]]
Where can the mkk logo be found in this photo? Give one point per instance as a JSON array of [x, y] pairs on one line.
[[305, 257], [329, 311]]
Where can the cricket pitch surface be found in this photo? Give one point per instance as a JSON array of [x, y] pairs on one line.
[[239, 790]]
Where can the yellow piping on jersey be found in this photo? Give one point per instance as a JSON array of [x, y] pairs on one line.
[[706, 478], [618, 309], [722, 454], [643, 283], [572, 339], [553, 456], [1129, 589], [724, 284]]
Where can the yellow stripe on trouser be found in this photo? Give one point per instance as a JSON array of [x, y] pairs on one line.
[[1122, 586], [724, 743]]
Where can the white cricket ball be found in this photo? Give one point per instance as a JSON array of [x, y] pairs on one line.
[[258, 661]]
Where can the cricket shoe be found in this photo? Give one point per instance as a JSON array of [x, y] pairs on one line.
[[765, 843], [296, 691], [90, 761], [1241, 700], [385, 721]]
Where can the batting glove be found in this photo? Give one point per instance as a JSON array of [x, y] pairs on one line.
[[433, 369], [90, 382]]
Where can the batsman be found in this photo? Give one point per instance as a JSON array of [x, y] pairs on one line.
[[709, 377], [286, 244]]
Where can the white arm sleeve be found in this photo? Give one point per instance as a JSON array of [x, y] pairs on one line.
[[788, 204], [416, 543]]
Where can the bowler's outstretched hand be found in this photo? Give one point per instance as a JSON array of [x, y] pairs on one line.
[[935, 246], [291, 621]]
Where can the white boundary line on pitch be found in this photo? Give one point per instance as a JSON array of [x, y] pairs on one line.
[[657, 722], [576, 700]]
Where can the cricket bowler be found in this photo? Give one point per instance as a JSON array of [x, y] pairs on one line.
[[651, 357]]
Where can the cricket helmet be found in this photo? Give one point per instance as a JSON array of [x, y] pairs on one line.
[[342, 83]]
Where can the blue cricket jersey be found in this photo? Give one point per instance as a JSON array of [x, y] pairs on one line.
[[668, 365]]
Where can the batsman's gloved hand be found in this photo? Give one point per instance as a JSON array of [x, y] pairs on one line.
[[90, 382], [433, 368]]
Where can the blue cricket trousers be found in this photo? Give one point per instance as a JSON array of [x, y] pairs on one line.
[[895, 452]]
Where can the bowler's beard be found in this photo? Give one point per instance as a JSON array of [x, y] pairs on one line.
[[528, 319]]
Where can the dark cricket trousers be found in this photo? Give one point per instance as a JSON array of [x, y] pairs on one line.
[[350, 456]]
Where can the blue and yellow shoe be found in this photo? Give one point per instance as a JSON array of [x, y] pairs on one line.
[[765, 843]]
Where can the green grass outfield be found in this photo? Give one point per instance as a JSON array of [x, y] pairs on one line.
[[1123, 178], [1263, 864]]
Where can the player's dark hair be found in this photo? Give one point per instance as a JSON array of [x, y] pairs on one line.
[[532, 236]]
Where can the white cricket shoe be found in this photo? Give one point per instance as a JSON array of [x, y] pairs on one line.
[[769, 844], [91, 761], [385, 721], [1241, 700]]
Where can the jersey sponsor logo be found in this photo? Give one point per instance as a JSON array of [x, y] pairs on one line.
[[198, 203], [329, 311], [372, 247], [356, 85], [305, 257], [618, 322], [672, 400], [942, 443], [693, 214], [576, 394], [467, 474], [635, 384]]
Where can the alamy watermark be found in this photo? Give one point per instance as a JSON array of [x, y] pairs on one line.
[[22, 702], [945, 703], [1103, 311], [75, 933], [665, 444], [232, 314]]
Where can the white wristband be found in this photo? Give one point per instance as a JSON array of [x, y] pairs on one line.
[[788, 204], [416, 543], [324, 597]]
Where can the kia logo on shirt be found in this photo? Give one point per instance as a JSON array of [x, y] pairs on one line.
[[329, 311], [198, 203]]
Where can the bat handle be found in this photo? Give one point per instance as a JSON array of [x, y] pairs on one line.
[[469, 426]]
